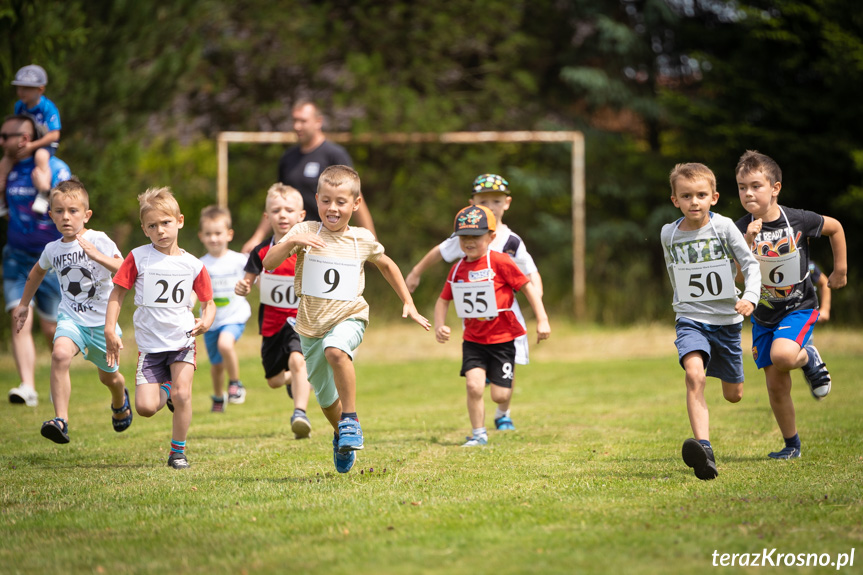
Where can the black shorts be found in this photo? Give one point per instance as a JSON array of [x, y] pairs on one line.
[[277, 349], [497, 359]]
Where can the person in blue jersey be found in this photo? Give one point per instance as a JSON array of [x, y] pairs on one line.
[[28, 234], [30, 82]]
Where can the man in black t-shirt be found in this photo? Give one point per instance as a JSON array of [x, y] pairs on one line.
[[302, 163]]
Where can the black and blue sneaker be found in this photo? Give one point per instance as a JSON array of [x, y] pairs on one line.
[[787, 452], [504, 423], [350, 435], [344, 461], [700, 458], [816, 374]]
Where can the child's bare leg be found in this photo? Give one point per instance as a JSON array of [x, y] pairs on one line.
[[277, 381], [733, 392], [217, 372], [696, 405], [61, 383], [786, 355], [333, 414], [501, 396], [149, 399], [475, 384], [181, 396], [41, 174], [779, 392], [344, 376], [24, 351], [300, 386], [229, 355], [116, 383]]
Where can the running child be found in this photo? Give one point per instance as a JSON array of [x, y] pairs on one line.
[[482, 286], [232, 312], [164, 277], [281, 350], [702, 250], [493, 192], [783, 322], [83, 261], [332, 314]]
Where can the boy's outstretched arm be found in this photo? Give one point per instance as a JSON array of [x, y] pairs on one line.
[[244, 286], [393, 275], [833, 230], [536, 282], [34, 280], [282, 250], [543, 329], [413, 278], [113, 344], [110, 263], [441, 330]]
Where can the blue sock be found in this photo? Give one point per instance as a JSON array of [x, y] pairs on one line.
[[705, 443], [352, 415], [178, 446], [793, 441]]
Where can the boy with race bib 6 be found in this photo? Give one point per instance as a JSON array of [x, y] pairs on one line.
[[333, 315], [783, 322], [482, 286], [702, 250], [281, 351], [164, 277]]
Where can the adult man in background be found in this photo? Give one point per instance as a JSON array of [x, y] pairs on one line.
[[26, 237], [302, 163]]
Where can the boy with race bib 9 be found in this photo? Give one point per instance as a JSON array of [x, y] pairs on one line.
[[281, 350], [482, 286], [164, 277], [332, 314], [783, 322], [83, 261], [702, 250], [232, 312]]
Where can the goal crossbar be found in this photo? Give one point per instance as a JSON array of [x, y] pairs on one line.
[[571, 137]]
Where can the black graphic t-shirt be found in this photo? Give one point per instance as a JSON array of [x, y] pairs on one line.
[[773, 241]]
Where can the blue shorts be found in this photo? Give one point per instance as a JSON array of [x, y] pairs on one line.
[[211, 339], [90, 341], [16, 267], [796, 326], [346, 336], [718, 344]]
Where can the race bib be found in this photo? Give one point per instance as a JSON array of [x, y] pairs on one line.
[[168, 288], [474, 299], [278, 291], [704, 281], [780, 271], [223, 290], [331, 278]]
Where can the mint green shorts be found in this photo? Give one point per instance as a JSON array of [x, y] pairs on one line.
[[346, 336], [90, 341]]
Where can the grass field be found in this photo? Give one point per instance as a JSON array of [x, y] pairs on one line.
[[591, 482]]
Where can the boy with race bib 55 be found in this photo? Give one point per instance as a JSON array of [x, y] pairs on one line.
[[702, 250], [332, 314], [783, 322]]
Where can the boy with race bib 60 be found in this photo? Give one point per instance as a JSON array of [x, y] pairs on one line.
[[482, 286], [164, 277], [702, 250], [281, 350], [783, 322], [333, 315]]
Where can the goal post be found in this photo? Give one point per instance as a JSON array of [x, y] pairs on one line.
[[579, 234]]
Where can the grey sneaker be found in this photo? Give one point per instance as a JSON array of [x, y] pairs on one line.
[[699, 458], [301, 426]]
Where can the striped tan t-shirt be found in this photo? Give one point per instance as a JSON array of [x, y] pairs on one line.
[[316, 316]]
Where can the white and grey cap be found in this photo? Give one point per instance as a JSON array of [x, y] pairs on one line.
[[32, 76]]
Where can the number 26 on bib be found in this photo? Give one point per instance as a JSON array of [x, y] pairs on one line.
[[168, 288]]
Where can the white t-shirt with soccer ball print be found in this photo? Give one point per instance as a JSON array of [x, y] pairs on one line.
[[85, 285]]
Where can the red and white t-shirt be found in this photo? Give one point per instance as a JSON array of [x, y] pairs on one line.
[[507, 279], [271, 318], [163, 286]]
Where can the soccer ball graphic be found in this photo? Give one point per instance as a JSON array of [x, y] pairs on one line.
[[78, 283]]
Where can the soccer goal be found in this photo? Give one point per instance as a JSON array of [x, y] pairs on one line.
[[576, 139]]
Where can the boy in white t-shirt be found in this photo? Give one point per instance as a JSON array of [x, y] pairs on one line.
[[83, 261], [164, 277], [493, 192], [232, 311]]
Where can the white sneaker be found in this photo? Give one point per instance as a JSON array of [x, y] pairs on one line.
[[40, 205], [3, 209], [25, 395]]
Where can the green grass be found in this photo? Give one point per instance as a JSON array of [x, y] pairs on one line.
[[592, 481]]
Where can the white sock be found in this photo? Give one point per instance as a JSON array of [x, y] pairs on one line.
[[498, 413], [479, 431]]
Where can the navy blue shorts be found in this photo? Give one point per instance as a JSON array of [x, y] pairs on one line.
[[719, 345]]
